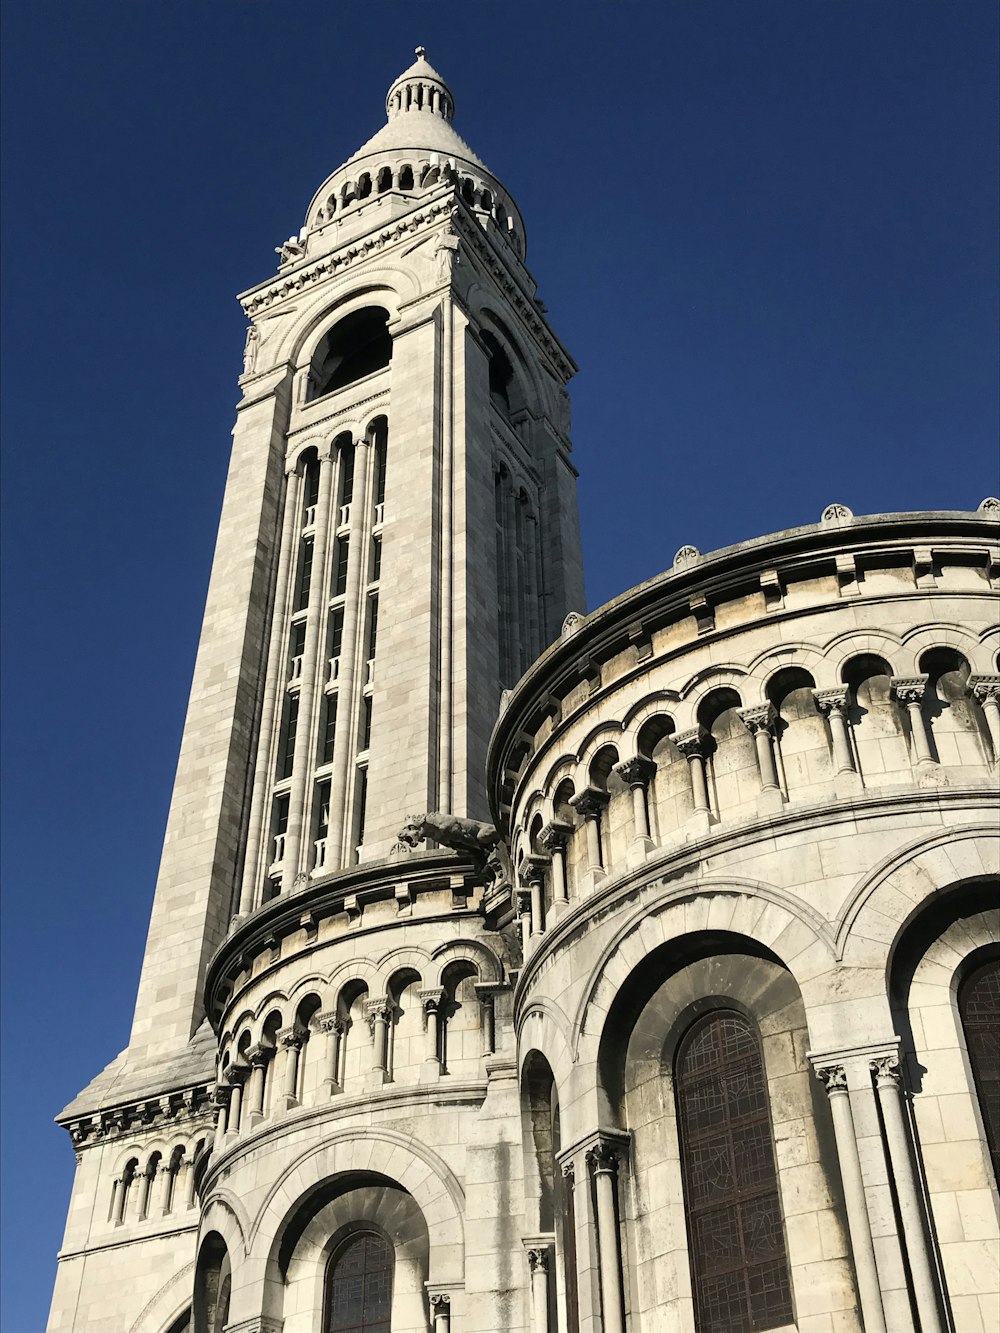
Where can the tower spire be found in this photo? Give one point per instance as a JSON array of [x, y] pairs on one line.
[[420, 89]]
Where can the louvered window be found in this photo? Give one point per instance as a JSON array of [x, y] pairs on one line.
[[736, 1239]]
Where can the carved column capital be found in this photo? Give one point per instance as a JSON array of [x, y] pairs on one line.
[[431, 998], [260, 1055], [568, 1169], [886, 1070], [983, 687], [833, 1078], [291, 1038], [604, 1156], [533, 869], [831, 701], [691, 743], [554, 836], [221, 1094], [378, 1011], [635, 772], [761, 717], [237, 1075], [329, 1022], [440, 1300], [908, 689], [590, 802], [538, 1258]]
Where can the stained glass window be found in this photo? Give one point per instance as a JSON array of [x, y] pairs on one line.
[[736, 1240], [979, 1005], [359, 1286]]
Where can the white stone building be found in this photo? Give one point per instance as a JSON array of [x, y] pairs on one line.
[[708, 1041]]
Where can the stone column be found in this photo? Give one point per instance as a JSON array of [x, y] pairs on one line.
[[533, 874], [487, 1015], [290, 1042], [168, 1173], [834, 1079], [553, 838], [888, 1088], [190, 1194], [378, 1013], [692, 746], [589, 804], [300, 790], [274, 683], [236, 1076], [148, 1176], [432, 1001], [538, 1266], [987, 690], [637, 774], [603, 1161], [333, 1027], [833, 705], [441, 1311], [524, 920], [760, 722], [221, 1099], [910, 690], [124, 1186], [259, 1057]]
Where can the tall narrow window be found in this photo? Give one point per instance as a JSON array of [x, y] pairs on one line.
[[297, 646], [736, 1239], [334, 643], [376, 559], [305, 575], [361, 807], [372, 628], [366, 722], [380, 432], [310, 493], [340, 567], [346, 482], [979, 1006], [329, 730], [287, 754], [358, 1297]]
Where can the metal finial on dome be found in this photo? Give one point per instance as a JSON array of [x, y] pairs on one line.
[[420, 52]]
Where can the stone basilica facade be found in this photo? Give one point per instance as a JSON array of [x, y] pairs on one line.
[[683, 1014]]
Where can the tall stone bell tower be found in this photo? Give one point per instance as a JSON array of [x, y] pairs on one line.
[[398, 542]]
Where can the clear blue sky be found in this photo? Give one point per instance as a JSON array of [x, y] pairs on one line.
[[766, 232]]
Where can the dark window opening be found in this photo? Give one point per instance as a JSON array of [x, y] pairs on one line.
[[372, 627], [329, 730], [736, 1240], [305, 576], [340, 567], [376, 559], [501, 372], [366, 723], [287, 756], [359, 345], [979, 1006], [406, 178], [346, 475]]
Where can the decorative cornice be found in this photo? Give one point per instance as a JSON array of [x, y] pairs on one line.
[[146, 1114]]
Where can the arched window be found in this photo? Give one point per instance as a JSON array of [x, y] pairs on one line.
[[357, 346], [736, 1241], [979, 1006], [358, 1295]]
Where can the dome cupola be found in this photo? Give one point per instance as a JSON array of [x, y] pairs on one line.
[[420, 88]]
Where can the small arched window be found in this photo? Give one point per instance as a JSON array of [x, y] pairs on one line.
[[359, 1286], [736, 1241], [979, 1006]]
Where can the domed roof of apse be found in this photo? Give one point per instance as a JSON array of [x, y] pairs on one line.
[[420, 106]]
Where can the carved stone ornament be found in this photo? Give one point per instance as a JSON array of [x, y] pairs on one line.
[[237, 1075], [572, 622], [985, 687], [505, 698], [691, 743], [292, 1037], [836, 513], [603, 1157], [440, 1300], [250, 350], [538, 1258], [761, 717], [908, 689], [831, 701], [330, 1022], [991, 505], [454, 831], [635, 772], [590, 802], [555, 836], [687, 555], [886, 1070], [833, 1078]]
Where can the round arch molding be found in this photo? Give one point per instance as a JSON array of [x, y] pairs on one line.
[[161, 1312], [416, 1169]]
